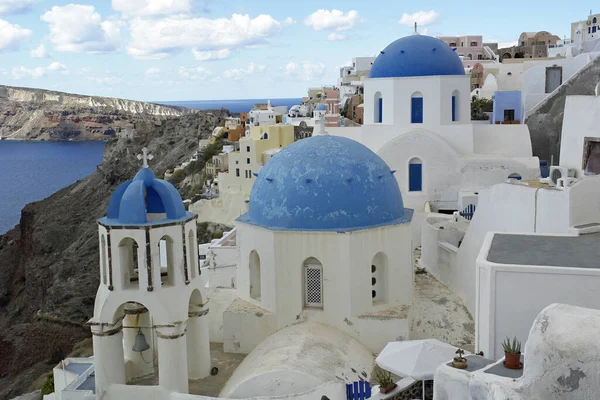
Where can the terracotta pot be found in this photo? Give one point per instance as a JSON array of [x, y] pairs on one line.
[[512, 361], [460, 363], [388, 389]]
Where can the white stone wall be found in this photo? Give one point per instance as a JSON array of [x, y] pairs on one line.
[[581, 120]]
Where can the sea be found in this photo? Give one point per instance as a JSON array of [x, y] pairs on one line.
[[31, 171], [234, 106]]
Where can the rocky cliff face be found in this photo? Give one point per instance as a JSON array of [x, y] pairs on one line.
[[49, 262], [36, 114]]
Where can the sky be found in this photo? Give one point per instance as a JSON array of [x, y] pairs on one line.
[[176, 50]]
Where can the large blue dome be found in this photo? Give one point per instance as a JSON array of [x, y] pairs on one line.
[[325, 183], [133, 200], [416, 55]]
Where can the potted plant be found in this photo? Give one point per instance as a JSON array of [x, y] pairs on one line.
[[384, 380], [512, 353], [459, 361]]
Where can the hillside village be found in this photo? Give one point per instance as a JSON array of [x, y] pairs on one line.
[[420, 229]]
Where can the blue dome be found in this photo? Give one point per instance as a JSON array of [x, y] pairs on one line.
[[144, 194], [321, 107], [416, 55], [325, 183]]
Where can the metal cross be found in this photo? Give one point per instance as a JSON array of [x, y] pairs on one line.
[[145, 156]]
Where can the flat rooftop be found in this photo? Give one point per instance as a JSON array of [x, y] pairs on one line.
[[554, 251]]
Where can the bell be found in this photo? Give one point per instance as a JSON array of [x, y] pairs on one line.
[[140, 344]]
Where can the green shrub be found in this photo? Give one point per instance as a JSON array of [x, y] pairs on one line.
[[177, 177], [48, 385]]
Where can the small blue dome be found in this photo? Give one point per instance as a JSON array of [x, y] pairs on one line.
[[325, 183], [321, 107], [416, 55], [144, 194]]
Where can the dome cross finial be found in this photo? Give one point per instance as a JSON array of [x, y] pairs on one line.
[[321, 124], [145, 156]]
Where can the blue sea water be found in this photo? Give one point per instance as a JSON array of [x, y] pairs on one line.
[[234, 106], [31, 171]]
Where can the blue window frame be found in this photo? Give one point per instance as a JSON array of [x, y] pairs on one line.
[[453, 108], [380, 111], [415, 177], [593, 29], [416, 110]]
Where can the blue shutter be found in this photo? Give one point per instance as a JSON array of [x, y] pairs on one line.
[[380, 116], [417, 110], [415, 177], [453, 108]]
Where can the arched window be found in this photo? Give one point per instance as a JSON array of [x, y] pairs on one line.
[[455, 106], [378, 108], [313, 283], [415, 175], [255, 289], [594, 20], [167, 267], [379, 278], [103, 263], [265, 136], [416, 108], [128, 257], [193, 252], [514, 176]]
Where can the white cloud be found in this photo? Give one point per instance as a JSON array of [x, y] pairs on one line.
[[211, 55], [289, 21], [12, 36], [334, 19], [150, 8], [194, 73], [8, 7], [106, 80], [422, 18], [306, 70], [333, 36], [239, 73], [152, 72], [39, 52], [154, 39], [38, 72], [79, 28]]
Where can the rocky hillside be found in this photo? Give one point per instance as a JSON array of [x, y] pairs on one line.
[[36, 114], [49, 262]]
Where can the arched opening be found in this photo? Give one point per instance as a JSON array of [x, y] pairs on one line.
[[254, 266], [165, 257], [139, 343], [312, 272], [506, 55], [128, 260], [594, 20], [415, 175], [416, 108], [515, 176], [378, 108], [197, 338], [265, 136], [455, 105], [379, 278], [470, 56], [193, 254], [103, 261]]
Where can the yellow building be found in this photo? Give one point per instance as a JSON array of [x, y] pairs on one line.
[[254, 151]]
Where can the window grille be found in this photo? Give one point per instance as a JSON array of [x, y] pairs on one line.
[[313, 277]]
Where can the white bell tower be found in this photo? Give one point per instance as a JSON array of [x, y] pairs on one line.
[[148, 315]]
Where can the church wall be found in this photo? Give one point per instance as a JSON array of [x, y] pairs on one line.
[[441, 174], [584, 197], [448, 86], [505, 140]]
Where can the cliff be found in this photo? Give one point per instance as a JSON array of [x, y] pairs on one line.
[[36, 114], [49, 263]]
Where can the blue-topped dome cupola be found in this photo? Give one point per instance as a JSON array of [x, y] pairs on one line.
[[417, 80], [146, 233], [325, 183]]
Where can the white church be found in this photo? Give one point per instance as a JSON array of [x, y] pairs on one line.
[[418, 120]]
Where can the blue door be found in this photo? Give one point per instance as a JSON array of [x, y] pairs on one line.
[[380, 116], [417, 110], [415, 177]]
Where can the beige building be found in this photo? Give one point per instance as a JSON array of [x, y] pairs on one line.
[[254, 152], [217, 164], [530, 45]]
